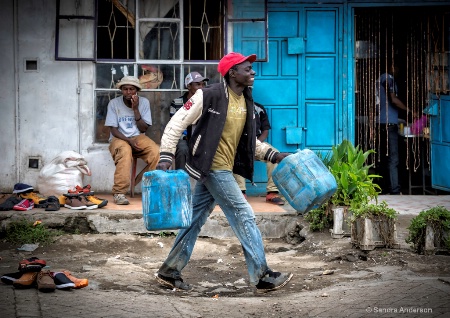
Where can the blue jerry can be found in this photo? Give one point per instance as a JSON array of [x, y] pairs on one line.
[[166, 200], [304, 180]]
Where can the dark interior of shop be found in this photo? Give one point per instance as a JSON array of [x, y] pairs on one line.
[[416, 40]]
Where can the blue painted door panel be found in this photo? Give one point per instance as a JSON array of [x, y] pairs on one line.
[[299, 84], [440, 145]]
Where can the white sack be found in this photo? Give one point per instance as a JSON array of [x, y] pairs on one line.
[[63, 173]]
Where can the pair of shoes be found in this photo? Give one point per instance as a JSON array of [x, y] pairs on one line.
[[62, 281], [86, 190], [272, 281], [37, 198], [274, 198], [10, 278], [45, 282], [78, 282], [24, 205], [52, 204], [10, 203], [89, 194], [79, 202], [27, 280], [98, 201], [176, 284], [32, 264], [121, 199]]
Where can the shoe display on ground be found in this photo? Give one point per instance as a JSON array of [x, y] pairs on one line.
[[120, 199], [62, 281], [79, 282], [100, 202], [274, 198], [27, 280], [36, 197], [176, 284], [74, 203], [45, 282], [89, 205], [24, 205], [11, 277], [32, 264], [272, 281]]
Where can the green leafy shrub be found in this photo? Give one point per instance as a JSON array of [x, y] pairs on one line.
[[29, 232], [369, 210], [355, 184], [319, 219], [438, 218]]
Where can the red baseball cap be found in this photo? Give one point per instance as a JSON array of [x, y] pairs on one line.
[[232, 59]]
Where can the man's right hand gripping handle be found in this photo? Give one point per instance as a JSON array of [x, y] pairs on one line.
[[163, 166]]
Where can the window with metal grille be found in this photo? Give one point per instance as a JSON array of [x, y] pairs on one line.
[[159, 41]]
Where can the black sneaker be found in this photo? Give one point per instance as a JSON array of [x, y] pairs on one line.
[[62, 281], [176, 284], [11, 278], [272, 281]]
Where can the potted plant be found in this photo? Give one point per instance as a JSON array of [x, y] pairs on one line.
[[355, 186], [373, 225], [429, 232]]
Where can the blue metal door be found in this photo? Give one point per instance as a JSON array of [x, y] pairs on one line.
[[439, 112], [300, 83]]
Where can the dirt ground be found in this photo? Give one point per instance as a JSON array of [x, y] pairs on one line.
[[217, 267]]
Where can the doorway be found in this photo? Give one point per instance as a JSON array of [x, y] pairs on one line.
[[416, 40]]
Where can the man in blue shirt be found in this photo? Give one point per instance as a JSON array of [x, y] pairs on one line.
[[387, 106]]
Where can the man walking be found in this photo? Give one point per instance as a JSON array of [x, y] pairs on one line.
[[224, 141]]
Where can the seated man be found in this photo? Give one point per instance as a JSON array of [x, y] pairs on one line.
[[129, 117], [193, 81], [262, 131]]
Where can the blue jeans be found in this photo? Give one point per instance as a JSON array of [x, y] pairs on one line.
[[221, 187]]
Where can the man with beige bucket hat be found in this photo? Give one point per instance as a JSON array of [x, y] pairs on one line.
[[129, 117]]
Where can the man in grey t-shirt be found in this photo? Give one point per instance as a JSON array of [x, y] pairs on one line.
[[129, 117]]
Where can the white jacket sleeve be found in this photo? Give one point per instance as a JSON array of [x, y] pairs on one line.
[[184, 117], [265, 151]]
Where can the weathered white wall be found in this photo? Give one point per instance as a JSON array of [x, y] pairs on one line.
[[8, 104], [54, 106]]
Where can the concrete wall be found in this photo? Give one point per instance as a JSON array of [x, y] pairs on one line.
[[47, 111], [8, 98]]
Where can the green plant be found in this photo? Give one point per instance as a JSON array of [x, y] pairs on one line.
[[319, 218], [370, 210], [438, 218], [355, 185], [383, 221], [165, 234], [29, 232]]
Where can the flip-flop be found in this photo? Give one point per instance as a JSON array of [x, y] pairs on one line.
[[52, 204]]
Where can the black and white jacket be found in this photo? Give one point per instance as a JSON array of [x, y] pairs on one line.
[[207, 110]]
